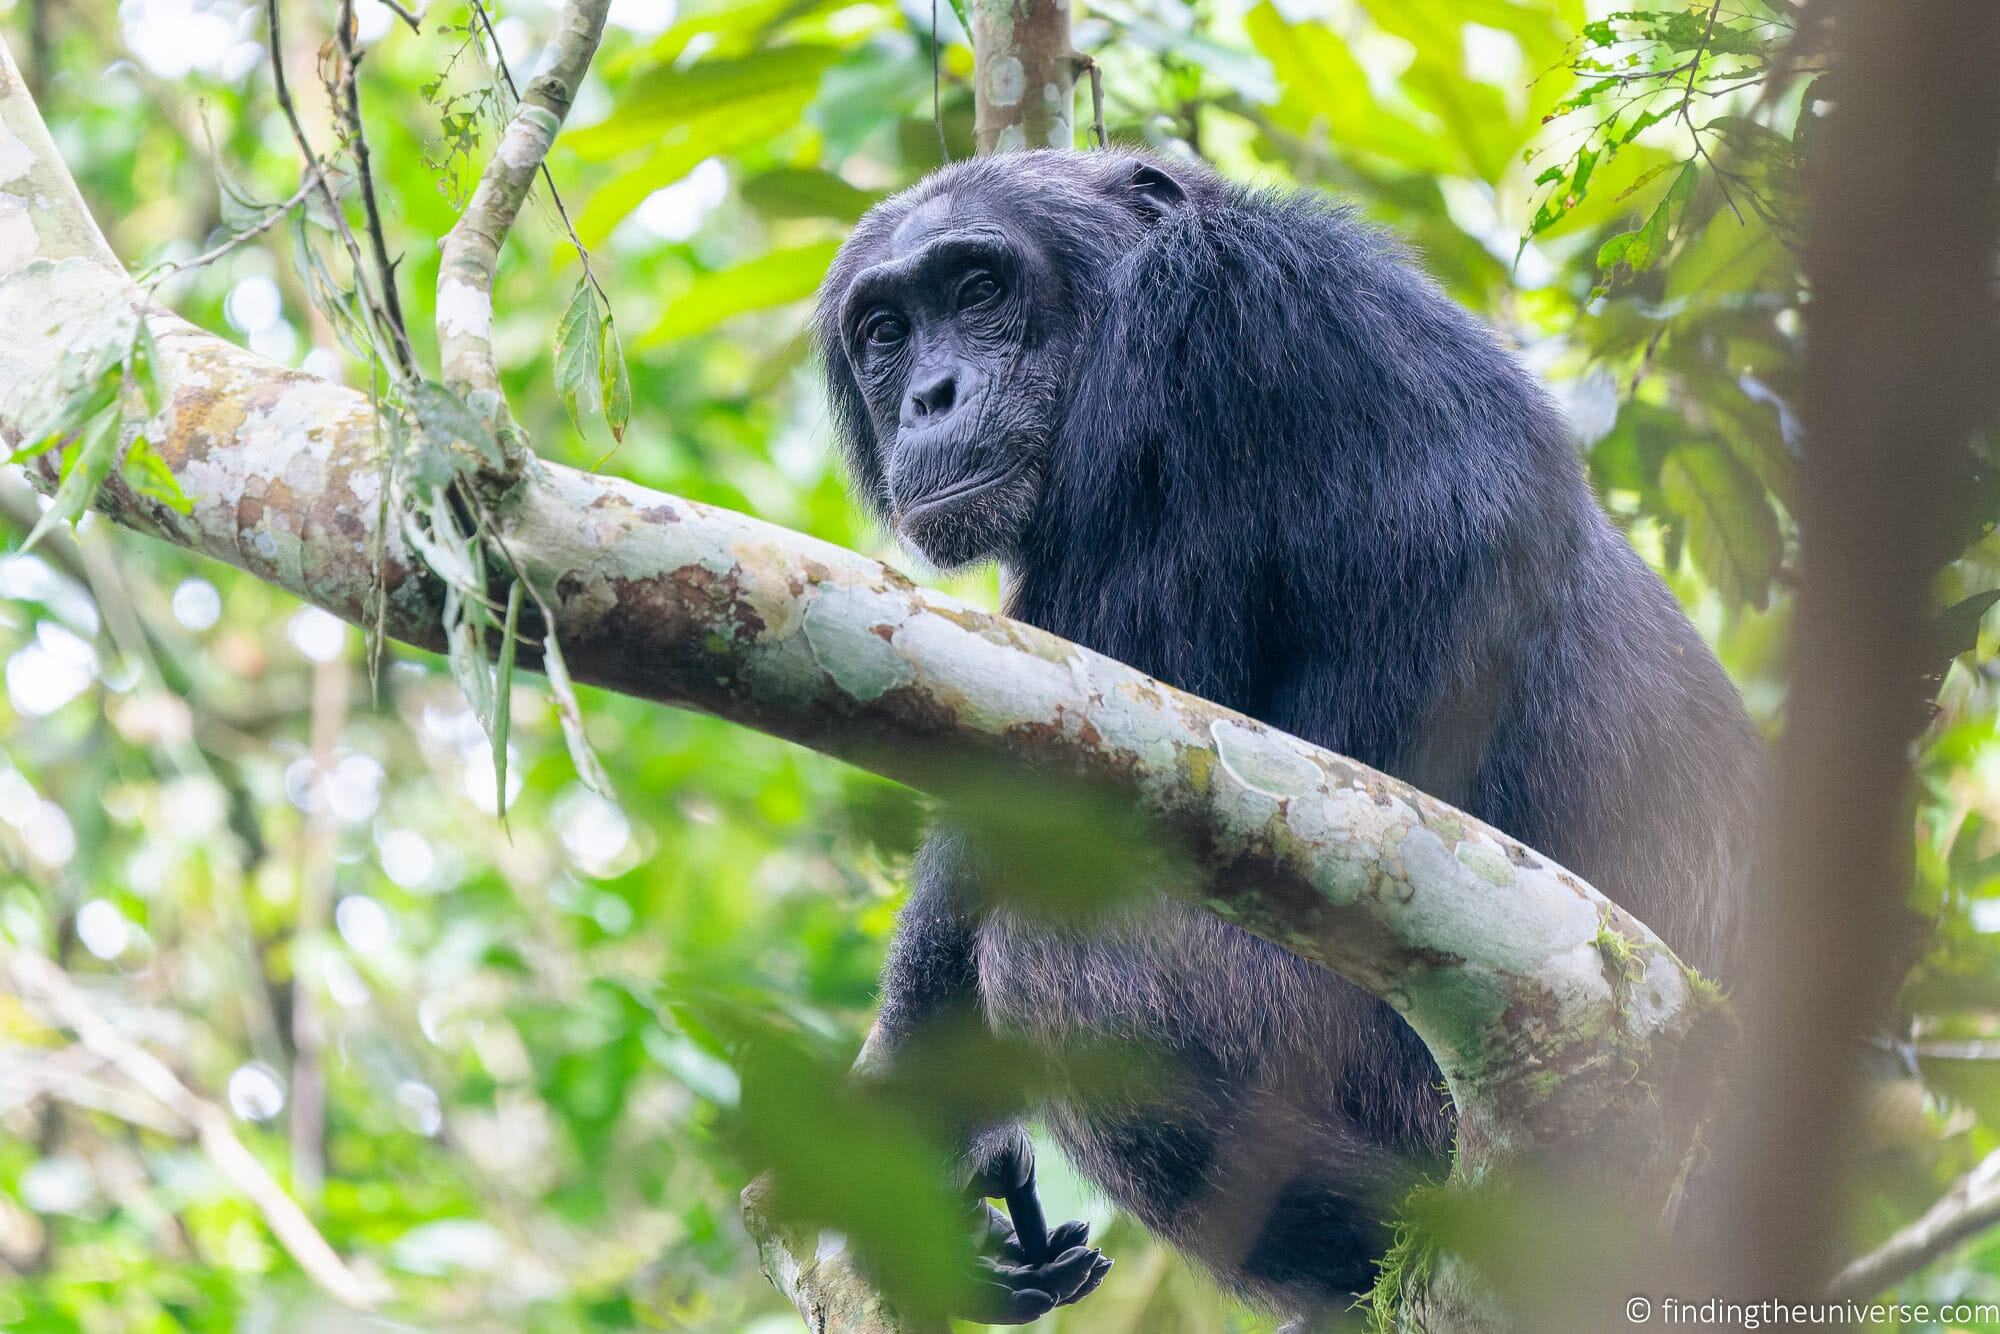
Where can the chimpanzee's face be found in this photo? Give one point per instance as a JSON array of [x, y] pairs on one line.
[[952, 328], [955, 326]]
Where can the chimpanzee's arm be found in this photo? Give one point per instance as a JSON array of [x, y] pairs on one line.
[[1023, 1270], [931, 976]]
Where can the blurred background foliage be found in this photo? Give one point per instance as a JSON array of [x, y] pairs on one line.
[[519, 1076]]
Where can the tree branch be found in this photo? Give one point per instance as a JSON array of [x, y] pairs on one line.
[[818, 1276], [471, 251], [315, 173], [485, 20], [1970, 1207], [348, 87], [1901, 341], [408, 16]]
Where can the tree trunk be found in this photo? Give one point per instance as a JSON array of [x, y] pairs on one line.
[[1901, 355], [1024, 75]]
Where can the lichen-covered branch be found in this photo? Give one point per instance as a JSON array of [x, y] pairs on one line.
[[1024, 75], [470, 254], [1539, 998], [817, 1274]]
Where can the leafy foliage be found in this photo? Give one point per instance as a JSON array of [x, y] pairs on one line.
[[550, 1056]]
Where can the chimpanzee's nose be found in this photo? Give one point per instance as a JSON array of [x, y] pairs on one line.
[[932, 394]]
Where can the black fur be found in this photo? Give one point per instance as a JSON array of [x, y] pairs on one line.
[[1286, 473]]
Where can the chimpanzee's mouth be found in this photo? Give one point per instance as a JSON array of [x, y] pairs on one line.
[[940, 503]]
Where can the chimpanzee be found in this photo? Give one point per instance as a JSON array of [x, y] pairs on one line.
[[1236, 439]]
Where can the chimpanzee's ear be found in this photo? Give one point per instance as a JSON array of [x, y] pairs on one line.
[[1153, 187]]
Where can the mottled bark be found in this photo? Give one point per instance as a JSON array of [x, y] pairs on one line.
[[818, 1275], [1024, 75]]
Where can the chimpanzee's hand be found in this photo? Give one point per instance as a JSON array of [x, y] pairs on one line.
[[1022, 1270], [1009, 1289]]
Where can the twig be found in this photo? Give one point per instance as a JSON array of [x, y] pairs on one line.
[[471, 250], [271, 219], [72, 1074], [548, 177], [51, 991], [1687, 100], [937, 86], [316, 872], [1971, 1206], [405, 15], [350, 109], [282, 88], [1091, 68]]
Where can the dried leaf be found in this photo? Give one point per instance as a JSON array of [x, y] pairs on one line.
[[503, 695], [588, 767], [85, 465]]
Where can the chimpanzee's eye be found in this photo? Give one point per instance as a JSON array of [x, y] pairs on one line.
[[978, 288], [884, 328]]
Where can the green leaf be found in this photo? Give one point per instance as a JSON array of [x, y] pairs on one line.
[[614, 382], [675, 104], [579, 353], [673, 155], [143, 365], [775, 279], [45, 430], [433, 534], [1647, 177], [148, 475], [569, 713], [1612, 252], [1640, 124], [795, 192], [86, 463], [329, 295], [449, 423], [465, 652], [239, 211], [1638, 251], [1957, 626], [1732, 531], [1572, 187], [1583, 97], [1322, 86]]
